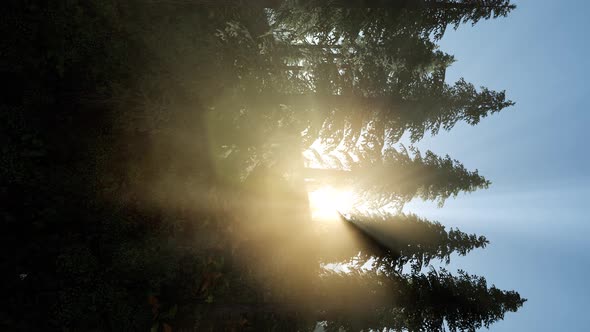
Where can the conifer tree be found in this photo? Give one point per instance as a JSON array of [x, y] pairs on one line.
[[394, 178], [413, 302], [383, 60], [395, 241], [422, 17], [154, 154]]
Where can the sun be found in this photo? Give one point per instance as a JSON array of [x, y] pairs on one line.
[[326, 202]]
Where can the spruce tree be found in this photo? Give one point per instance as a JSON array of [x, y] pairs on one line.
[[433, 301], [395, 177], [396, 241], [382, 61]]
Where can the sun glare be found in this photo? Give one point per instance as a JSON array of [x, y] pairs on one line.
[[326, 202]]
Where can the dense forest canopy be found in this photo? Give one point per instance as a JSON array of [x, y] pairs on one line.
[[158, 157]]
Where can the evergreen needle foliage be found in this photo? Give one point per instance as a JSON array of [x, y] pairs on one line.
[[156, 157]]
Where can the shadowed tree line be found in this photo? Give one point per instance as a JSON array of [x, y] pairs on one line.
[[155, 156]]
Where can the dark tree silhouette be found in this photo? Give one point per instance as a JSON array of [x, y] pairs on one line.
[[380, 62], [398, 241], [152, 161]]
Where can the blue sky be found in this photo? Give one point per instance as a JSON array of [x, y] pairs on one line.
[[536, 212]]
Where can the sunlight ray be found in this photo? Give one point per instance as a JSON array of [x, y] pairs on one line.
[[327, 202]]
